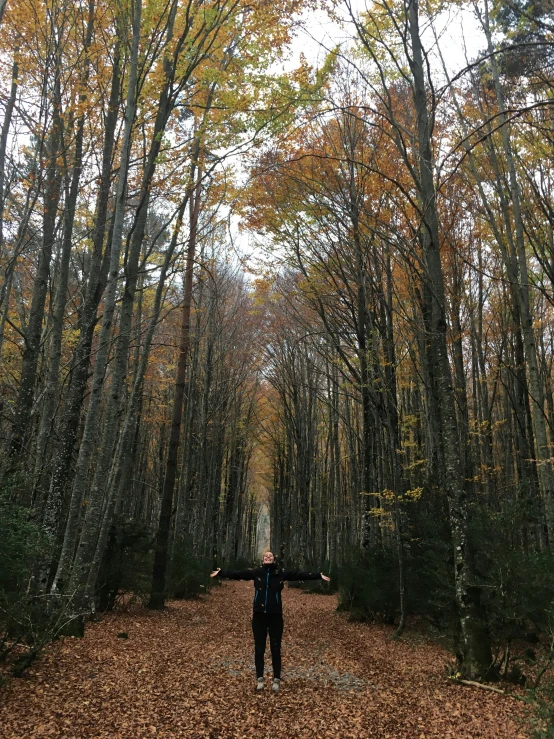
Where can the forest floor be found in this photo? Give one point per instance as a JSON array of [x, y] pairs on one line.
[[188, 672]]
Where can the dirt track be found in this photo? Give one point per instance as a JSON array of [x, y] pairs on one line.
[[188, 672]]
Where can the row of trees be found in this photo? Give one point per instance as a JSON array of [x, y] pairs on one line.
[[411, 357], [129, 360]]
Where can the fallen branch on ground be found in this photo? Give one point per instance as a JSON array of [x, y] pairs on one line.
[[475, 684]]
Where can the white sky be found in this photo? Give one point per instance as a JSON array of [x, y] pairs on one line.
[[460, 36]]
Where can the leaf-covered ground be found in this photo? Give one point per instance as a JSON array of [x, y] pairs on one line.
[[188, 672]]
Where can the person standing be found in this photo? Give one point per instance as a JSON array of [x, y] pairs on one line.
[[267, 617]]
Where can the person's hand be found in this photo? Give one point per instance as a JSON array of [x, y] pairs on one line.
[[215, 572], [324, 577]]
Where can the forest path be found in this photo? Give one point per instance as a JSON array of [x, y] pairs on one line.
[[188, 672]]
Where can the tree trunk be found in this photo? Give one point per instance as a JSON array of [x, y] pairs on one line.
[[475, 651], [33, 331], [158, 594], [8, 113]]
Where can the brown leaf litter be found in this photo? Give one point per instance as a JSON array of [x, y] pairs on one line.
[[188, 672]]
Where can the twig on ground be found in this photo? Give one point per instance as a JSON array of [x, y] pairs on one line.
[[475, 684]]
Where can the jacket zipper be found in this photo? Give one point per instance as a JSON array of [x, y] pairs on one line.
[[266, 589]]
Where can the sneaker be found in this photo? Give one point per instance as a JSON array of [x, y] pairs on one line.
[[260, 684], [276, 684]]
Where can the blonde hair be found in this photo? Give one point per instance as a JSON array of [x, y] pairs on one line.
[[268, 551]]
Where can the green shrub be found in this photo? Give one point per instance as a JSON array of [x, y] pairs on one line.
[[368, 585], [25, 623], [127, 564], [542, 719], [21, 543], [189, 575], [517, 584], [430, 589]]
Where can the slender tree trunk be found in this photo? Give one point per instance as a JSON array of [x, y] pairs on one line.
[[33, 331], [3, 4], [158, 594], [475, 645], [7, 288], [8, 113]]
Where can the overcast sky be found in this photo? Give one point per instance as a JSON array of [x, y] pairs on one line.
[[458, 30]]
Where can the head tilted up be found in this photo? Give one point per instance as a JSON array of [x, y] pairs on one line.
[[268, 559]]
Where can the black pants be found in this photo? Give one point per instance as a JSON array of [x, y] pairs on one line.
[[262, 623]]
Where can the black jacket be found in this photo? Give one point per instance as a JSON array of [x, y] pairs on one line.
[[268, 584]]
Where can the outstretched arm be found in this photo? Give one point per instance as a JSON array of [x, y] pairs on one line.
[[233, 574], [301, 575]]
